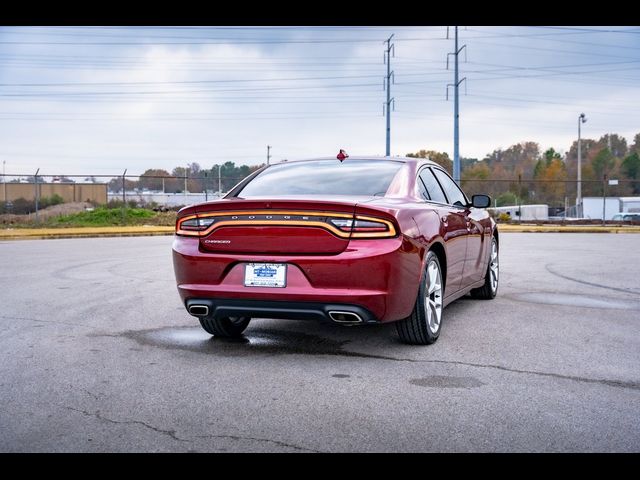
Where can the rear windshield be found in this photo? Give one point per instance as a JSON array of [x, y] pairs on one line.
[[324, 177]]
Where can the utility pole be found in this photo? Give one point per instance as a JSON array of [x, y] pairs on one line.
[[4, 180], [219, 182], [390, 47], [581, 119], [268, 155], [456, 107]]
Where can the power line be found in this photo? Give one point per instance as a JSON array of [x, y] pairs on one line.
[[554, 50], [562, 40], [81, 94], [225, 42], [185, 82]]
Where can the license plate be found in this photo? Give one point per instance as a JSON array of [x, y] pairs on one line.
[[265, 275]]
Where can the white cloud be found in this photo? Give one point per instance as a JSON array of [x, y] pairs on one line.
[[236, 117]]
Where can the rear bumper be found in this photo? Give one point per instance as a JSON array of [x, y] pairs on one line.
[[225, 307], [378, 279]]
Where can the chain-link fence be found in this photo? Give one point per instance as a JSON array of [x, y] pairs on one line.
[[514, 199], [552, 200], [21, 194]]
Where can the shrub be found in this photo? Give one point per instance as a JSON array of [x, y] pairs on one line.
[[103, 216], [504, 218], [22, 206], [54, 199]]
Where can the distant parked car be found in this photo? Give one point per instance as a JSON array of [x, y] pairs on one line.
[[626, 217]]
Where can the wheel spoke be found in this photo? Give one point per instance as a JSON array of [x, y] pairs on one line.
[[438, 313], [433, 297], [433, 277]]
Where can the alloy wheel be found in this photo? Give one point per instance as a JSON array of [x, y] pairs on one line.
[[493, 266]]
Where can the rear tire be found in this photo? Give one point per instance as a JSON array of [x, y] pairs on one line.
[[225, 327], [422, 327], [490, 288]]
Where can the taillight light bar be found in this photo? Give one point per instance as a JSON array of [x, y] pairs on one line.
[[366, 227], [340, 224], [193, 225]]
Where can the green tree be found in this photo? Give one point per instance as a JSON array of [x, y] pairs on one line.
[[466, 162], [518, 159], [475, 178], [631, 168], [146, 180], [441, 158], [550, 155], [616, 144], [506, 199], [541, 166], [635, 146], [479, 171], [602, 163], [115, 185]]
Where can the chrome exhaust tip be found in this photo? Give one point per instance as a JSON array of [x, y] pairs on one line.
[[345, 317], [199, 310]]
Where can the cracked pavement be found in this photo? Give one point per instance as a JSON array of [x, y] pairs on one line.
[[98, 354]]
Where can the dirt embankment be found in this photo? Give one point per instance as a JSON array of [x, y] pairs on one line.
[[53, 211]]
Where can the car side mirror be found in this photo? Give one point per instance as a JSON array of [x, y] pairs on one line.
[[481, 201]]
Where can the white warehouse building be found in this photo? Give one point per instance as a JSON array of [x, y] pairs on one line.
[[525, 212], [592, 206]]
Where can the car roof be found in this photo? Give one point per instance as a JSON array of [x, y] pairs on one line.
[[413, 160]]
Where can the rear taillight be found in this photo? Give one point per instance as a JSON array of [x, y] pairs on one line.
[[193, 225], [366, 227]]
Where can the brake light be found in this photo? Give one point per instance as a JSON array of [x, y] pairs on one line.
[[193, 225], [366, 227]]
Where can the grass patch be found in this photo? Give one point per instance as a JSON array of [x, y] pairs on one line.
[[103, 217]]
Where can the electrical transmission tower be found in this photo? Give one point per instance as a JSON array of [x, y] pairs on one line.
[[456, 120], [387, 85]]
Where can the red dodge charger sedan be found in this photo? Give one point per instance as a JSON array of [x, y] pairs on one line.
[[363, 240]]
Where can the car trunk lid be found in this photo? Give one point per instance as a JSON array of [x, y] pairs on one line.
[[294, 226]]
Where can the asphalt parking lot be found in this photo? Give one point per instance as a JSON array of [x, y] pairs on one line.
[[98, 354]]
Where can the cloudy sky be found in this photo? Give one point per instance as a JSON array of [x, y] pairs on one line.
[[81, 100]]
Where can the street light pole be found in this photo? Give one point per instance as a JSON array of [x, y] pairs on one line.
[[581, 119]]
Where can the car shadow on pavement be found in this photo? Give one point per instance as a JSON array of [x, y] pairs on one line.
[[261, 341], [282, 337]]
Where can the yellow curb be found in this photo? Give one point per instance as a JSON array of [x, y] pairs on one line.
[[35, 233], [84, 232], [567, 229]]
